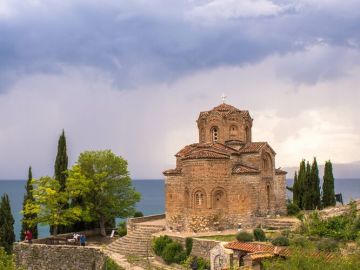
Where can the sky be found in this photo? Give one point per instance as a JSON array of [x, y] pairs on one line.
[[132, 76]]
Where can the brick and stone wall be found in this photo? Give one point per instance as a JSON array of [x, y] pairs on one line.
[[56, 257]]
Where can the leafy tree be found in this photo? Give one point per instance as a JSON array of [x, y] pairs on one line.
[[49, 197], [101, 180], [7, 235], [28, 197], [328, 197]]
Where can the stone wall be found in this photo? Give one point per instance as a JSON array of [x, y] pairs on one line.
[[56, 257]]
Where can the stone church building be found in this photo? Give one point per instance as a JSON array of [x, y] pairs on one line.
[[225, 180]]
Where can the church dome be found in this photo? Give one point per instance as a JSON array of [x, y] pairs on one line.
[[224, 108]]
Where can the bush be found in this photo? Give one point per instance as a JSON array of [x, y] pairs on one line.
[[300, 241], [292, 209], [280, 241], [244, 237], [173, 253], [122, 230], [259, 235], [203, 264], [188, 245], [6, 261], [160, 243], [138, 214], [110, 265], [328, 245]]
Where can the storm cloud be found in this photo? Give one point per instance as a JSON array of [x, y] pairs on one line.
[[132, 76]]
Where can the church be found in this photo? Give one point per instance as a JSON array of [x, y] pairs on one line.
[[225, 180]]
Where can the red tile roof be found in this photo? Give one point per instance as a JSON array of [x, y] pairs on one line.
[[206, 154], [225, 109], [218, 148], [242, 169], [250, 247]]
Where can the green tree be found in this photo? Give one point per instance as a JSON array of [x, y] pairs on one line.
[[49, 197], [301, 182], [28, 196], [7, 235], [315, 185], [60, 169], [101, 180], [328, 197], [307, 195], [296, 190]]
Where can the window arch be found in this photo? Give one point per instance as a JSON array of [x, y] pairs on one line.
[[219, 198], [233, 131], [247, 134], [214, 134], [199, 199], [267, 163]]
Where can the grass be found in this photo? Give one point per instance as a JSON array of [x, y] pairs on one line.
[[223, 238]]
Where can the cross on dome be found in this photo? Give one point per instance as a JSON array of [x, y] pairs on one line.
[[223, 97]]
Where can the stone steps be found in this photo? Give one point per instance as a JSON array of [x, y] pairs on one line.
[[136, 242]]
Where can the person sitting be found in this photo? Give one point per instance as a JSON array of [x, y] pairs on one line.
[[28, 236]]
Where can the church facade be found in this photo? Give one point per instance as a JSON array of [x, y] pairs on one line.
[[225, 180]]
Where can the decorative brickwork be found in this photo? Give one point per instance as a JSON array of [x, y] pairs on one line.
[[224, 180]]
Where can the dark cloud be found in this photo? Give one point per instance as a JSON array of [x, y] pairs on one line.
[[138, 44]]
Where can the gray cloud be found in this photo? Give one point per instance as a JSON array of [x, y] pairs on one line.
[[140, 43]]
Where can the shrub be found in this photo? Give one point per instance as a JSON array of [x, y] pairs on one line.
[[188, 245], [280, 241], [203, 264], [173, 253], [292, 209], [6, 261], [138, 214], [160, 243], [244, 237], [110, 265], [259, 235], [328, 245], [122, 230], [300, 241]]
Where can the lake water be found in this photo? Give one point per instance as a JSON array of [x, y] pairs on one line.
[[152, 201]]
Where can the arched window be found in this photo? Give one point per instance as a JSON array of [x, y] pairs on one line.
[[214, 134], [199, 199], [219, 198], [247, 134], [267, 163], [233, 131]]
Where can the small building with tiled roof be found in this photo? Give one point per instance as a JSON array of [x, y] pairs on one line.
[[225, 179]]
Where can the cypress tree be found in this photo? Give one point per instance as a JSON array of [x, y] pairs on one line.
[[61, 162], [28, 197], [296, 195], [302, 182], [315, 183], [307, 195], [7, 235], [61, 166], [328, 198]]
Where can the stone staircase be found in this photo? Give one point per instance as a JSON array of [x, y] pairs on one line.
[[281, 223], [137, 241]]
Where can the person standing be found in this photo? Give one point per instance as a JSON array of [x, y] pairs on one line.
[[82, 240]]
